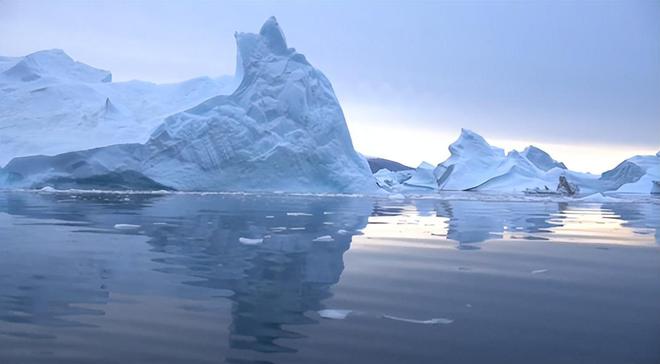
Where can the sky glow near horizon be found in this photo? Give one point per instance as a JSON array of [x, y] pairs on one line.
[[581, 80]]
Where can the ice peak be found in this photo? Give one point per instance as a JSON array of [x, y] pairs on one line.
[[273, 35], [469, 142], [55, 64], [256, 47], [541, 159]]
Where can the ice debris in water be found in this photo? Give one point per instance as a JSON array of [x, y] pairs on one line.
[[126, 226], [539, 271], [396, 196], [334, 314], [270, 216], [298, 214], [599, 197], [249, 241], [324, 238], [342, 232], [433, 321]]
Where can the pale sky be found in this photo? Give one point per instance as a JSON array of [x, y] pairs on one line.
[[579, 79]]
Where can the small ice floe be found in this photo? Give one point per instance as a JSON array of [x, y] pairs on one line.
[[126, 226], [278, 228], [539, 271], [48, 189], [433, 321], [334, 314], [328, 213], [270, 216], [324, 238], [249, 241], [298, 214], [342, 232], [328, 223], [297, 228], [396, 196]]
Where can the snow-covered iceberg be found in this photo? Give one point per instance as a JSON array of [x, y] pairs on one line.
[[476, 165], [282, 129], [51, 104], [639, 174]]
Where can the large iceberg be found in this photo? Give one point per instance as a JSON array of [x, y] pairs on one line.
[[476, 165], [51, 104], [639, 174], [282, 129]]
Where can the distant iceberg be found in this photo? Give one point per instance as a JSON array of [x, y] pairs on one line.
[[475, 165]]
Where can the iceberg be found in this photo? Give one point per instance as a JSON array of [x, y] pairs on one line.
[[281, 130], [638, 174], [51, 104], [475, 165]]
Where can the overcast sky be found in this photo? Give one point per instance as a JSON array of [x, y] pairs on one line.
[[580, 79]]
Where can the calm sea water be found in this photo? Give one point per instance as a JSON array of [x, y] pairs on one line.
[[181, 279]]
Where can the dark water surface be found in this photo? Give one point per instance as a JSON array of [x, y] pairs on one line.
[[166, 279]]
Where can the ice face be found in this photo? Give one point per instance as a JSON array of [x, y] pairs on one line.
[[541, 159]]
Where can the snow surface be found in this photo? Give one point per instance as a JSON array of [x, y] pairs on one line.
[[51, 104], [281, 130]]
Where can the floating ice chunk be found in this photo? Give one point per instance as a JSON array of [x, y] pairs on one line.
[[539, 271], [278, 228], [324, 238], [297, 228], [328, 213], [298, 214], [396, 196], [328, 223], [126, 226], [342, 232], [433, 321], [334, 314], [248, 241], [48, 189], [270, 216]]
